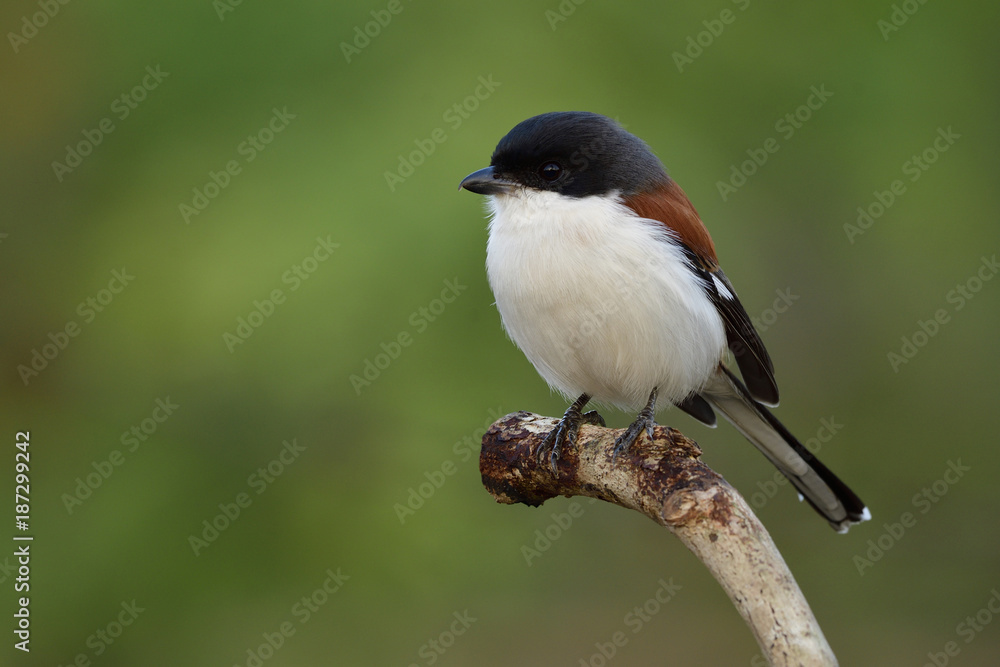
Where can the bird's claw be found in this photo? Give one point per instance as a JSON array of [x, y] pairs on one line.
[[565, 432], [631, 436], [643, 423]]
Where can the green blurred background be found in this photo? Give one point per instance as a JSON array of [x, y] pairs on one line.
[[224, 70]]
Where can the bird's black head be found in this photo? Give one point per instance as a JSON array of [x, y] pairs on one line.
[[574, 153]]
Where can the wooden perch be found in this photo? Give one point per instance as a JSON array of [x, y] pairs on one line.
[[666, 480]]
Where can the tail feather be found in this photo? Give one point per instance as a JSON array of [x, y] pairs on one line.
[[821, 488]]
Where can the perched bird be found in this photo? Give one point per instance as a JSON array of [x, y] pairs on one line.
[[607, 280]]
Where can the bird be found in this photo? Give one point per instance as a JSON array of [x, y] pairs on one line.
[[606, 278]]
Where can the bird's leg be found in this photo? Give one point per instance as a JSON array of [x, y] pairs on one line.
[[565, 431], [644, 422]]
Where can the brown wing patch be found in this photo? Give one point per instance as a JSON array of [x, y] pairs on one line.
[[668, 204]]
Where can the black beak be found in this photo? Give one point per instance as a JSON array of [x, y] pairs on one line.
[[486, 182]]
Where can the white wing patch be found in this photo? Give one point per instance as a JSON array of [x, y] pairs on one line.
[[722, 289]]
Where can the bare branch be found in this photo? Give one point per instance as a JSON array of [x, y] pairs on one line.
[[666, 480]]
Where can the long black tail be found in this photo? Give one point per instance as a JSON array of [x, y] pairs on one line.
[[824, 490]]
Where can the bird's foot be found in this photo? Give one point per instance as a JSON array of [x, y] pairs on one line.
[[643, 423], [566, 430]]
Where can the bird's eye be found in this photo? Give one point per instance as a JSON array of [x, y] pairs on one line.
[[550, 171]]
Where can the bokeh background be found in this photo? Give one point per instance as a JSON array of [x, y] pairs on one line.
[[228, 73]]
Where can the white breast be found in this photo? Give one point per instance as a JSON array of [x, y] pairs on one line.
[[600, 300]]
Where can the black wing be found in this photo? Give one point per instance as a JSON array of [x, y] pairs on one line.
[[699, 408], [748, 349]]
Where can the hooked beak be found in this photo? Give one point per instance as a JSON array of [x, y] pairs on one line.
[[486, 182]]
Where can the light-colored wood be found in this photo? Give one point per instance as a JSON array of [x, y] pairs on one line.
[[666, 480]]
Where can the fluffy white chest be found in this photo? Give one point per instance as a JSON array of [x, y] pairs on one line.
[[600, 300]]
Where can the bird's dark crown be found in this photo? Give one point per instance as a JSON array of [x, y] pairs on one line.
[[578, 154]]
